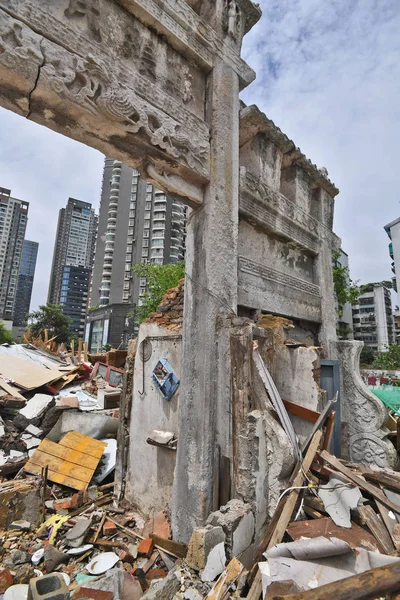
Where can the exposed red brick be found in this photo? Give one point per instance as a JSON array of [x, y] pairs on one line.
[[6, 580], [109, 528], [156, 574], [146, 547], [126, 557]]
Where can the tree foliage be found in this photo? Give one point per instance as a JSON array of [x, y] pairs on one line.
[[159, 278], [367, 356], [389, 359], [345, 289], [52, 318], [5, 335]]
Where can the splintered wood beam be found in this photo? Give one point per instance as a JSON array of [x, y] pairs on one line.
[[301, 411], [375, 583]]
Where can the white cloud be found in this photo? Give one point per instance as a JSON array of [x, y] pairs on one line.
[[328, 74], [45, 169]]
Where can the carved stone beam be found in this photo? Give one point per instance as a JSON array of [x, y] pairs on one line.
[[191, 35], [183, 190], [120, 107]]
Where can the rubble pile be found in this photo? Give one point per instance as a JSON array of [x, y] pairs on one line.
[[170, 310]]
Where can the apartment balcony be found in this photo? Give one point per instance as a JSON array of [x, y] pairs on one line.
[[391, 251]]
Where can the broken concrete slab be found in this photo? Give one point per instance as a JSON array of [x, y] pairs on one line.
[[164, 589], [237, 522], [95, 425], [48, 586], [32, 430], [20, 525], [202, 542], [34, 409], [30, 441], [215, 564], [76, 536]]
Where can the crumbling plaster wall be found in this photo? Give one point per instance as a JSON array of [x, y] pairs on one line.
[[150, 472]]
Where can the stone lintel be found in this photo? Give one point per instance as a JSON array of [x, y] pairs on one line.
[[253, 122], [261, 216], [269, 289], [189, 34], [87, 100]]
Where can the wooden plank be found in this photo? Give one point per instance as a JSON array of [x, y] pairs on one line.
[[176, 548], [60, 466], [377, 528], [311, 512], [330, 424], [355, 536], [79, 355], [72, 456], [301, 411], [85, 452], [71, 482], [26, 374], [364, 485], [228, 577], [85, 351], [319, 423], [10, 389], [83, 443], [282, 515], [376, 583], [389, 522], [382, 479]]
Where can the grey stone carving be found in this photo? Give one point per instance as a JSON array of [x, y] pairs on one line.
[[363, 414]]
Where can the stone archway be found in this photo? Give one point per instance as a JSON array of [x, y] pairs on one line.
[[155, 84]]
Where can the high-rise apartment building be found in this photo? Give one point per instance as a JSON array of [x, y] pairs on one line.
[[393, 231], [13, 220], [73, 261], [25, 282], [137, 223], [373, 317]]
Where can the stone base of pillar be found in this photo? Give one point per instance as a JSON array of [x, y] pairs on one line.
[[363, 431]]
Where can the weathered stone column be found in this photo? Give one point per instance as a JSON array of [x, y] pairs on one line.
[[363, 415], [210, 296]]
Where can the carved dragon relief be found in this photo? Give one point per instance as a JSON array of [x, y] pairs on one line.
[[89, 83], [16, 41]]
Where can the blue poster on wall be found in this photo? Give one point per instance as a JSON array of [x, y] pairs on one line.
[[165, 379]]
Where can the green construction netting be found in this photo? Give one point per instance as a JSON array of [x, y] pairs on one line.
[[390, 396]]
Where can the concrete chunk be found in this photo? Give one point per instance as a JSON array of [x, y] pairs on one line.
[[76, 536], [216, 561], [237, 522], [202, 542], [36, 406], [48, 587], [35, 431]]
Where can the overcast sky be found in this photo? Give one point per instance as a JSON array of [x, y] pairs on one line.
[[328, 74]]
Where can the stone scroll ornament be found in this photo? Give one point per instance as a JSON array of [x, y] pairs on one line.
[[363, 414]]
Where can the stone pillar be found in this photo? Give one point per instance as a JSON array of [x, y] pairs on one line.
[[363, 415], [210, 296]]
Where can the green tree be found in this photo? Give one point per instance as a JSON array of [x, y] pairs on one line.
[[345, 289], [160, 278], [52, 318], [389, 359], [367, 356], [5, 335]]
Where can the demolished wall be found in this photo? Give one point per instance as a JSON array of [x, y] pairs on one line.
[[150, 469]]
